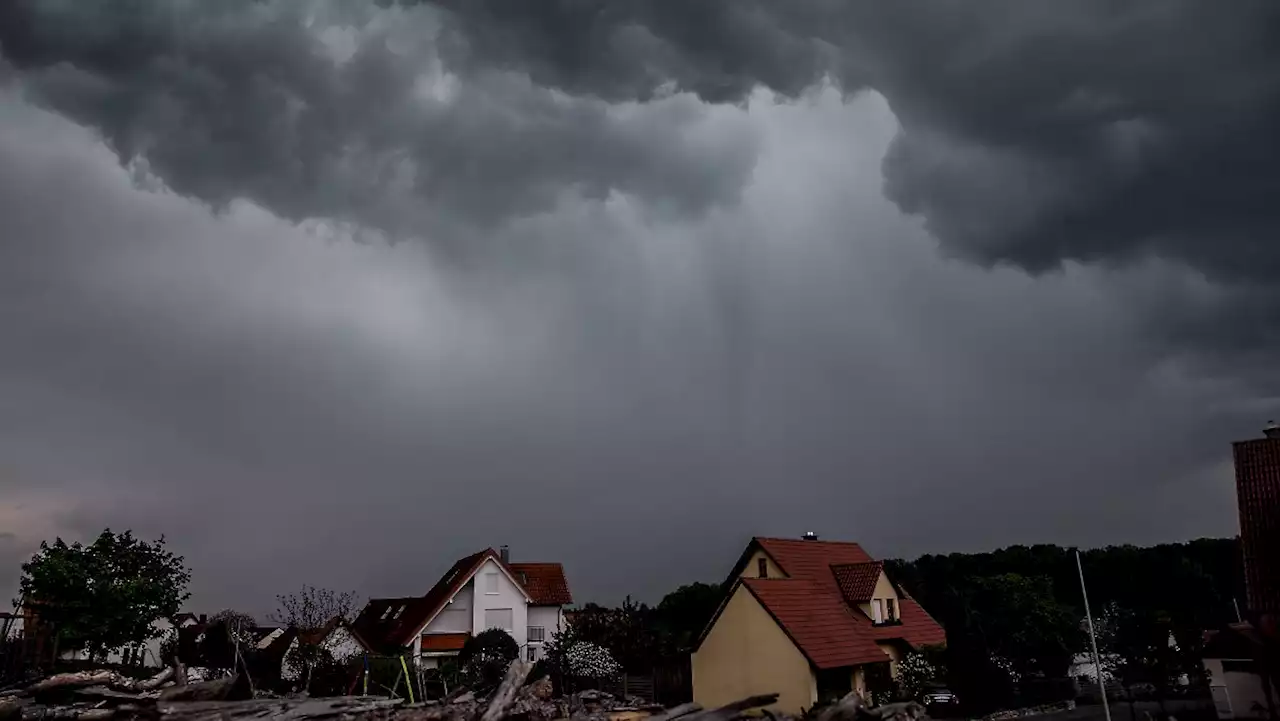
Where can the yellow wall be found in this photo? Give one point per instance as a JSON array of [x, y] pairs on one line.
[[747, 653], [884, 590], [752, 569], [894, 654]]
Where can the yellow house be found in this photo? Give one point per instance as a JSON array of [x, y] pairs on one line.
[[808, 620]]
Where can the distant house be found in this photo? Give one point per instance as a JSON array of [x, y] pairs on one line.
[[1236, 659], [144, 653], [809, 620], [335, 637], [481, 591]]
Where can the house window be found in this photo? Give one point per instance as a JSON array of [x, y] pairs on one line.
[[537, 634], [891, 610], [762, 567], [398, 612], [501, 618], [491, 583], [386, 613], [534, 653], [877, 611]]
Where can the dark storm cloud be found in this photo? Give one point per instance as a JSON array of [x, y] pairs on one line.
[[777, 348], [289, 411], [1033, 133], [334, 110]]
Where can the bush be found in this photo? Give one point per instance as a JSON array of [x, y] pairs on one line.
[[485, 657], [588, 660]]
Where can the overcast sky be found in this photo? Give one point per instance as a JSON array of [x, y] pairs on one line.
[[334, 292]]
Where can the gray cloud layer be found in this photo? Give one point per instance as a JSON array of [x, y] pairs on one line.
[[657, 310]]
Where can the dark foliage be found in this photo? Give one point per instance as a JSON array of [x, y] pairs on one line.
[[107, 594], [1023, 604]]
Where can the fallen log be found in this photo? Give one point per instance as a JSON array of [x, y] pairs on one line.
[[517, 672], [676, 712]]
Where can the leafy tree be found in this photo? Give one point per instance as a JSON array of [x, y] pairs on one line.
[[107, 594], [1023, 622], [682, 614], [485, 657]]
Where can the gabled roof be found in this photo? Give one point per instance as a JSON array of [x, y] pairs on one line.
[[857, 581], [817, 601], [544, 582], [818, 623], [392, 623]]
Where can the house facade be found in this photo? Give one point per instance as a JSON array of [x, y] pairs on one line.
[[481, 591], [335, 637], [807, 619]]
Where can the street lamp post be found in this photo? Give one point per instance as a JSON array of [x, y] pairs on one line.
[[1093, 640]]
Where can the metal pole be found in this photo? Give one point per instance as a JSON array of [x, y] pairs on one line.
[[1093, 640]]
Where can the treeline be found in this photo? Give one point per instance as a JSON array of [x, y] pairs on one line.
[[1016, 616]]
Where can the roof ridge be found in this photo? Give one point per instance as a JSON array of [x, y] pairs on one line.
[[805, 540]]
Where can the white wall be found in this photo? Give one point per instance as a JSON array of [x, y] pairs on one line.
[[455, 617], [150, 650], [1245, 690], [549, 617], [508, 595]]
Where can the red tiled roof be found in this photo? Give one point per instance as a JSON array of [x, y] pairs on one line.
[[917, 628], [817, 601], [821, 626], [444, 641], [399, 628], [857, 581], [544, 582]]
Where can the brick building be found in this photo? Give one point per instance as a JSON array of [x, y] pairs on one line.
[[1257, 463]]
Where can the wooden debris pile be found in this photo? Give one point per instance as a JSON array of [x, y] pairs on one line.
[[102, 695]]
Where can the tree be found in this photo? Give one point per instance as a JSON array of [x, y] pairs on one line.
[[226, 639], [311, 608], [107, 594], [682, 614], [1019, 619], [310, 612], [485, 657], [1149, 653]]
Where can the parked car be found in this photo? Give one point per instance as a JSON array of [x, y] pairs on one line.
[[934, 696]]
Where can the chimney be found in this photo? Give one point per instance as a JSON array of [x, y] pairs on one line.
[[504, 552], [1271, 430], [203, 618], [810, 536]]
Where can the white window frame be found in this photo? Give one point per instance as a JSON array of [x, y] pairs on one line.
[[877, 610], [539, 637], [491, 586]]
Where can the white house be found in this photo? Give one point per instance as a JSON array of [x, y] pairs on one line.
[[146, 653], [335, 637], [482, 591]]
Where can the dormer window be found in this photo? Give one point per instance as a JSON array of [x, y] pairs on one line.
[[762, 567], [890, 610]]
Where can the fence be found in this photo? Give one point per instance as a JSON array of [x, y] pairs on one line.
[[669, 685]]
